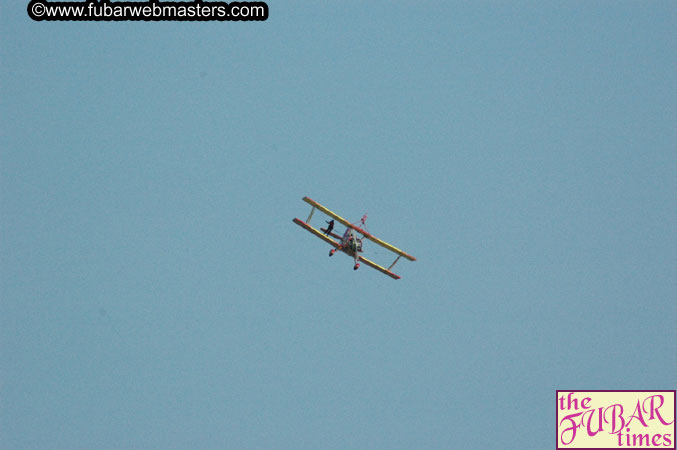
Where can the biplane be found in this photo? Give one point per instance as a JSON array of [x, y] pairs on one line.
[[349, 242]]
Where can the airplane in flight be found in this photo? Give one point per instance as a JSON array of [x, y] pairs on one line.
[[350, 241]]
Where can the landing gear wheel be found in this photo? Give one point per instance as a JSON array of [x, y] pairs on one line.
[[357, 266], [331, 252]]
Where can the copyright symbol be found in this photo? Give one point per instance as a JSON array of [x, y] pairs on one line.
[[36, 10]]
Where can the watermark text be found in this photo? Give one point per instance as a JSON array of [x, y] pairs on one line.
[[152, 10]]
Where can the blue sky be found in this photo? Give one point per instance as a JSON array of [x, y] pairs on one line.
[[156, 294]]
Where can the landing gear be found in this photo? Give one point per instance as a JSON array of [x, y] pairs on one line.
[[332, 251], [356, 266]]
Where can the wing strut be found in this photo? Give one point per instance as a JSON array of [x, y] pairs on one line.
[[396, 259], [311, 214]]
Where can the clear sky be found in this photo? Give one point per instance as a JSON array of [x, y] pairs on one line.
[[155, 293]]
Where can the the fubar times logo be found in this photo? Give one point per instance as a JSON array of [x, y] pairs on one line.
[[607, 420]]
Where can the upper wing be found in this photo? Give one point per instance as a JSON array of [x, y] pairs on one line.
[[366, 234], [327, 212]]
